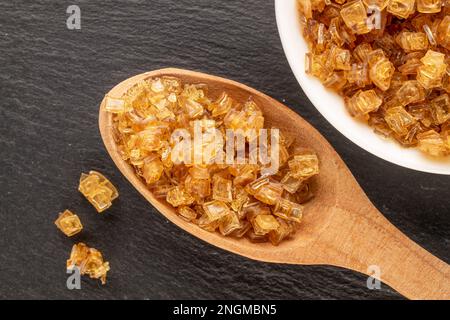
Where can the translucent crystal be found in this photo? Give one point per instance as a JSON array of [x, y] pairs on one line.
[[254, 209], [162, 110], [94, 266], [229, 223], [443, 32], [410, 140], [430, 35], [317, 65], [445, 134], [179, 197], [244, 227], [305, 7], [198, 188], [446, 82], [216, 210], [363, 102], [248, 118], [354, 14], [98, 190], [341, 58], [432, 70], [253, 187], [150, 139], [199, 172], [283, 231], [362, 51], [256, 238], [152, 170], [187, 213], [222, 105], [432, 143], [421, 112], [440, 109], [69, 223], [222, 189], [412, 41], [288, 210], [207, 224], [240, 198], [283, 154], [291, 184], [269, 193], [193, 108], [358, 74], [243, 174], [114, 105], [304, 165], [336, 81], [401, 8], [429, 6], [381, 73], [79, 253], [410, 91], [335, 32], [410, 66], [263, 224], [89, 261], [399, 120], [381, 4], [374, 56]]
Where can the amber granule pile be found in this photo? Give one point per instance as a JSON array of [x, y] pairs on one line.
[[98, 190], [69, 223], [89, 261], [389, 59], [240, 200]]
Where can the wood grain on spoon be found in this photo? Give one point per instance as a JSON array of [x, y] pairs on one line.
[[341, 227]]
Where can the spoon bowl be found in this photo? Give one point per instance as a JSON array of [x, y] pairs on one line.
[[340, 226]]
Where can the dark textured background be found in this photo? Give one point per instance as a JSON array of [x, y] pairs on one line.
[[51, 83]]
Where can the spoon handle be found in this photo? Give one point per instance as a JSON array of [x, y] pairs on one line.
[[366, 239]]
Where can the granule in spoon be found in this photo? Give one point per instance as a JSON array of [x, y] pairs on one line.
[[241, 198]]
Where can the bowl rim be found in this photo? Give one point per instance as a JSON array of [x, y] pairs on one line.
[[361, 134]]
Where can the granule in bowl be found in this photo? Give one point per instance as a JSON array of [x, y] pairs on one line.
[[389, 60]]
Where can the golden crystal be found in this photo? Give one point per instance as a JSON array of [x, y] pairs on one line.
[[222, 189], [399, 120], [432, 143], [381, 73], [187, 213], [89, 261], [354, 15], [263, 224], [69, 223], [412, 41], [304, 165], [288, 210], [401, 8], [429, 6], [432, 70], [216, 210], [363, 102], [98, 190]]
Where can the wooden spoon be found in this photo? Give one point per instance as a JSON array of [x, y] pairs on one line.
[[341, 227]]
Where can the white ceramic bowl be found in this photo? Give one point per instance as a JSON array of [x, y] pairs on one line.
[[331, 106]]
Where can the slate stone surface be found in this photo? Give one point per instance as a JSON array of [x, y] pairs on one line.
[[51, 83]]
